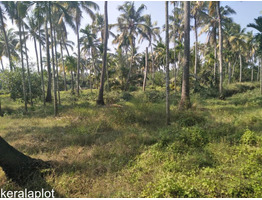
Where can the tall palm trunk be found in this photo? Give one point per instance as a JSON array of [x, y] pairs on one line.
[[63, 64], [240, 70], [215, 58], [41, 62], [258, 71], [185, 99], [36, 54], [57, 75], [78, 58], [196, 47], [260, 76], [146, 69], [220, 50], [175, 71], [28, 70], [153, 64], [130, 66], [2, 65], [167, 66], [22, 62], [48, 95], [53, 63], [6, 40], [229, 72], [100, 100]]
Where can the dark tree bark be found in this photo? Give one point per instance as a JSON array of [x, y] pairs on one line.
[[185, 99], [100, 100], [16, 165]]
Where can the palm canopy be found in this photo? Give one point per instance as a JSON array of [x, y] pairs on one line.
[[258, 26]]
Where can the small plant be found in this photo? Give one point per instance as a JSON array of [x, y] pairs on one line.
[[249, 138]]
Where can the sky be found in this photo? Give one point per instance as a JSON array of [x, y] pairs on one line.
[[246, 11]]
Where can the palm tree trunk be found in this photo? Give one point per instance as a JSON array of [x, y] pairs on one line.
[[229, 72], [100, 100], [3, 69], [258, 67], [16, 165], [196, 47], [220, 50], [78, 58], [175, 70], [185, 99], [72, 83], [240, 70], [146, 69], [6, 40], [48, 95], [215, 60], [57, 75], [130, 66], [260, 76], [36, 54], [28, 70], [41, 62], [167, 66], [153, 64], [53, 62], [22, 62], [63, 64]]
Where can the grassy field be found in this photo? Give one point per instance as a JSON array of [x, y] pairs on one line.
[[124, 149]]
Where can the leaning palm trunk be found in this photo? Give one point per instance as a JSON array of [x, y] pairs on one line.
[[16, 165], [167, 68], [146, 69], [100, 100], [6, 40], [53, 63], [185, 99], [220, 50], [22, 61], [28, 71]]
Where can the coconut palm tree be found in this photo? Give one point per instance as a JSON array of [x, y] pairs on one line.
[[100, 100], [131, 24], [185, 99], [258, 26], [76, 9], [167, 66], [6, 38]]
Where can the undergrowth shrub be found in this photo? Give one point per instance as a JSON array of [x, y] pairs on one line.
[[249, 138]]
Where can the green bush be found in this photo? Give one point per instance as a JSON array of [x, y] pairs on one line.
[[249, 138]]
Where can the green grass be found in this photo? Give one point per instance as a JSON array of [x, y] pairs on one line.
[[124, 149]]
